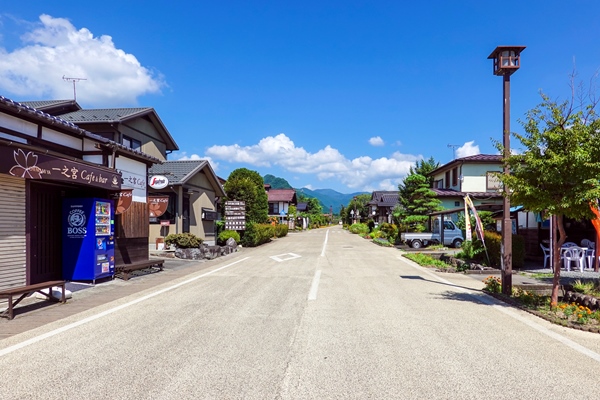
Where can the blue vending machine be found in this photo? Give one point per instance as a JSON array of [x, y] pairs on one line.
[[88, 244]]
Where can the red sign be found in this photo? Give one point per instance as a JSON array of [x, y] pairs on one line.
[[124, 202], [157, 205], [165, 222]]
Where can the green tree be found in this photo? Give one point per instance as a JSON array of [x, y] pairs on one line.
[[359, 205], [425, 167], [417, 200], [558, 170], [246, 185], [313, 206]]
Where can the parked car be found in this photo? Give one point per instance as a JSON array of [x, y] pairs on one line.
[[452, 236]]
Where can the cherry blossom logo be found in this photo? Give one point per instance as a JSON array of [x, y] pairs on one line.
[[26, 165]]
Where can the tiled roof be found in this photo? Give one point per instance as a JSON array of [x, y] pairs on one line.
[[178, 172], [482, 158], [384, 198], [42, 104], [478, 158], [105, 114], [454, 193], [287, 195], [42, 116]]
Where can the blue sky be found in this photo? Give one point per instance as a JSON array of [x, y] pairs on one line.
[[344, 95]]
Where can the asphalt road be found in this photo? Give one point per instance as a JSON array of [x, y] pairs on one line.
[[318, 315]]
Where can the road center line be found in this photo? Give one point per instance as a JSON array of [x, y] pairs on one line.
[[489, 301], [314, 287], [70, 326], [325, 243]]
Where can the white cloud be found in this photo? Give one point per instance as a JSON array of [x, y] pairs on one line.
[[467, 149], [327, 163], [54, 49], [376, 141]]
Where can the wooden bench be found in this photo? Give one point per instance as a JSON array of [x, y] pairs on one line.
[[124, 271], [25, 291]]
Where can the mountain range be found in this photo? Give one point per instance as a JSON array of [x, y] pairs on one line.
[[327, 197]]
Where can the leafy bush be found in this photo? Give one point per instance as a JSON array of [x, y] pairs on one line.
[[390, 230], [183, 240], [470, 249], [257, 234], [371, 225], [225, 235], [492, 284], [359, 228], [281, 230], [493, 242]]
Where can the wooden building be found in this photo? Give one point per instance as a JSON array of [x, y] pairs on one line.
[[44, 160]]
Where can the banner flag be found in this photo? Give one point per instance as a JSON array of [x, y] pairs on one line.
[[468, 234], [478, 224]]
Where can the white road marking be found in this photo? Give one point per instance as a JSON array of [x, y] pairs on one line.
[[314, 287], [542, 329], [289, 256], [325, 243], [70, 326]]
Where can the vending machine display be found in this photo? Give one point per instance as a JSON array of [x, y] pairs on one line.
[[88, 239]]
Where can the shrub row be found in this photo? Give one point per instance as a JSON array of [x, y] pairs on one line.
[[257, 234], [183, 240]]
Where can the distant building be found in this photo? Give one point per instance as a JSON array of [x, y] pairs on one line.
[[381, 205], [193, 191]]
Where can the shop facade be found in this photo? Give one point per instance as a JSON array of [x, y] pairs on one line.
[[43, 161]]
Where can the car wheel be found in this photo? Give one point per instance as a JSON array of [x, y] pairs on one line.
[[416, 244], [457, 243]]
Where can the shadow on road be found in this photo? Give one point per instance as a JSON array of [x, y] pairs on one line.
[[475, 296]]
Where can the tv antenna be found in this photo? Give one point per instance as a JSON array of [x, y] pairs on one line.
[[454, 146], [74, 80]]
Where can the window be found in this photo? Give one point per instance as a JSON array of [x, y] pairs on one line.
[[455, 177], [457, 204], [447, 180], [131, 143], [273, 208]]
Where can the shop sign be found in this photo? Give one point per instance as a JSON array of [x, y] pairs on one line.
[[29, 164], [235, 215], [124, 201], [157, 205], [158, 182], [165, 222]]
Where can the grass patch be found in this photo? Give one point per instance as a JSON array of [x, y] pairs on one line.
[[539, 275], [426, 260]]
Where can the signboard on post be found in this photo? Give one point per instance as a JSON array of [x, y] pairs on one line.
[[235, 215]]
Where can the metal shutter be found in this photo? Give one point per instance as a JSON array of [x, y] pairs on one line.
[[13, 269]]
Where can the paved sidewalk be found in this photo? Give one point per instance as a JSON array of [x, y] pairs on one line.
[[32, 312]]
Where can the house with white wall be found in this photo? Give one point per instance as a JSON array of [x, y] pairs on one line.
[[473, 175]]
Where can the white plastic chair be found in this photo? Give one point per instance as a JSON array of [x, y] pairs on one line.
[[569, 244], [586, 243], [546, 251], [590, 253], [572, 254]]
